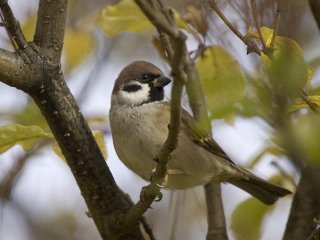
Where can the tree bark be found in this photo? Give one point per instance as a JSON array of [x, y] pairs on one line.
[[305, 209], [35, 69]]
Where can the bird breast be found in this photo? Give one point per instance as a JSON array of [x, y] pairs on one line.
[[138, 133]]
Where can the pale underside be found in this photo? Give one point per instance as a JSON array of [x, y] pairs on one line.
[[134, 130]]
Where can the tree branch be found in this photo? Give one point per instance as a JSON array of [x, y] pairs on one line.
[[12, 25], [276, 24], [255, 17], [216, 225], [15, 72], [305, 210], [150, 192], [15, 33], [82, 153], [252, 47], [158, 18], [50, 27], [174, 42], [217, 228], [49, 90]]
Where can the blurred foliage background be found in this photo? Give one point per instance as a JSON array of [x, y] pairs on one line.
[[264, 111]]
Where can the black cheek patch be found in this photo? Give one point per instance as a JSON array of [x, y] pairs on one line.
[[131, 88]]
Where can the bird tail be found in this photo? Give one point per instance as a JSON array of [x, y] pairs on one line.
[[266, 192]]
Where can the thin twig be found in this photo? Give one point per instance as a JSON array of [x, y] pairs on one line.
[[158, 18], [150, 192], [276, 24], [315, 235], [183, 68], [147, 228], [252, 47], [314, 107], [217, 225], [3, 24], [12, 25], [255, 17]]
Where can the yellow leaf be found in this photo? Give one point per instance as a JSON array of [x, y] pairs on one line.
[[29, 26], [265, 32], [247, 218], [300, 103], [310, 76], [285, 65], [123, 16], [222, 80], [101, 143], [78, 44], [99, 139], [179, 21], [126, 16], [26, 136]]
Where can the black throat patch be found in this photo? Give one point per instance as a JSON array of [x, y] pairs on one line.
[[156, 94]]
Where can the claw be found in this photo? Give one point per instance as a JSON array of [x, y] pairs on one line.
[[159, 197]]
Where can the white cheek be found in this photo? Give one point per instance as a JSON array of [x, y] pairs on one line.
[[133, 98]]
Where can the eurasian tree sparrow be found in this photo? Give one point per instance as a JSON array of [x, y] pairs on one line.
[[139, 119]]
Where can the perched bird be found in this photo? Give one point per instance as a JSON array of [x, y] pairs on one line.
[[139, 119]]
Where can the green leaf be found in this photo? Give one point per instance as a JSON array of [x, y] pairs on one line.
[[123, 16], [222, 80], [99, 139], [307, 136], [247, 218], [30, 115], [26, 136]]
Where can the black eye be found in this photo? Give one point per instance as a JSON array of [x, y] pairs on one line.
[[145, 77]]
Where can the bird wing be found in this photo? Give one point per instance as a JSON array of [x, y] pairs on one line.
[[198, 157], [200, 136]]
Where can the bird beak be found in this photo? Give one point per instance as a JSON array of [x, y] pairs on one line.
[[160, 82]]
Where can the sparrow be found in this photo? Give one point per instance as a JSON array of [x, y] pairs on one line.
[[139, 120]]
